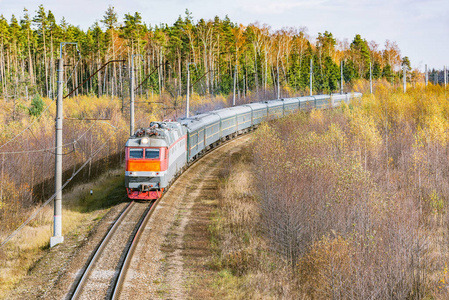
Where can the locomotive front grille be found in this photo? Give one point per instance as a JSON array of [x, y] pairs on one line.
[[137, 179], [136, 182]]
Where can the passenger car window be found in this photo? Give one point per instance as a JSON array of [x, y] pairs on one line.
[[135, 153], [151, 153]]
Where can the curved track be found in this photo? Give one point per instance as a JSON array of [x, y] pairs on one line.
[[105, 272], [132, 248], [158, 267], [105, 265]]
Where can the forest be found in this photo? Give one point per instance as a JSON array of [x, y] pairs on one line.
[[216, 51]]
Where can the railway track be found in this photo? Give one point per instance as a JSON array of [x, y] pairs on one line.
[[103, 274]]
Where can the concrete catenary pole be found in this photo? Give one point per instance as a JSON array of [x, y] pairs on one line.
[[279, 85], [235, 82], [404, 77], [188, 91], [341, 77], [370, 78], [188, 88], [131, 94], [427, 75], [131, 97], [445, 76], [57, 237], [311, 73]]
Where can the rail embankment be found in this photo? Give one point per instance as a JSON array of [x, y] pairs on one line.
[[28, 268]]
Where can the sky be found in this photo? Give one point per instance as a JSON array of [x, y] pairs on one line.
[[419, 27]]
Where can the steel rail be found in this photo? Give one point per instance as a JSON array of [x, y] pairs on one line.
[[79, 285], [118, 284], [135, 237]]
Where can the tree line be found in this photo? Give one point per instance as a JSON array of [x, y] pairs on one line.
[[259, 58]]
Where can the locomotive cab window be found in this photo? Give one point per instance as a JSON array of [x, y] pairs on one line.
[[135, 153], [152, 153]]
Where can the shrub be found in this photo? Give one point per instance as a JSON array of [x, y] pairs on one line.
[[37, 106]]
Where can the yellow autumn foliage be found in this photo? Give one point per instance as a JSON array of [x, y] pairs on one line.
[[316, 117], [364, 131]]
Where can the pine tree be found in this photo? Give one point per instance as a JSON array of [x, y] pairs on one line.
[[26, 28], [377, 71], [36, 107], [388, 73], [41, 22], [360, 54]]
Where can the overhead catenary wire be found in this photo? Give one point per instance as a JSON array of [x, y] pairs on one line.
[[15, 232], [74, 68], [29, 126], [73, 143], [52, 148], [58, 191], [41, 114]]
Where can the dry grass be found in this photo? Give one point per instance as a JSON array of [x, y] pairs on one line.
[[27, 178], [246, 268], [343, 204], [79, 208]]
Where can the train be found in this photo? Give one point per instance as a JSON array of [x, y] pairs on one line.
[[156, 155]]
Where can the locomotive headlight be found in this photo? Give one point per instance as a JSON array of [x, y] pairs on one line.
[[144, 140]]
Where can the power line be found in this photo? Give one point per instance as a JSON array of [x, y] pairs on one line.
[[29, 126], [31, 151], [73, 71], [52, 148], [15, 232], [42, 113]]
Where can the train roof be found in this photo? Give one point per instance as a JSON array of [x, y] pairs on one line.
[[321, 97], [306, 98], [198, 121], [241, 108], [291, 100], [225, 113], [159, 134], [274, 103], [257, 105], [339, 96]]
